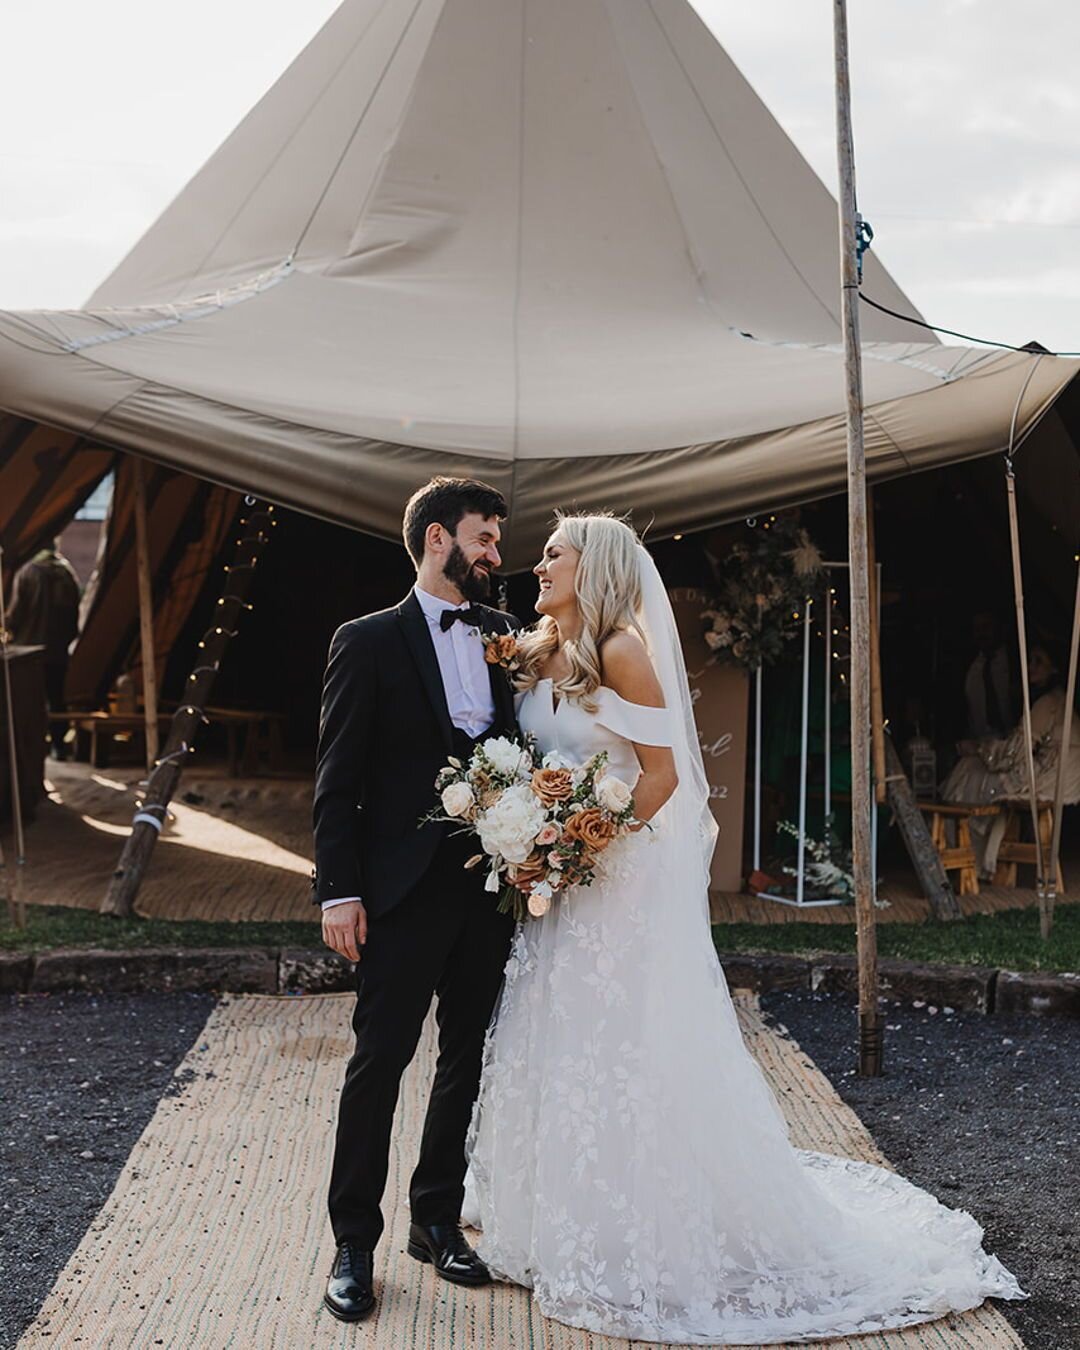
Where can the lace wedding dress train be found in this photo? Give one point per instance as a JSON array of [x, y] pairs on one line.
[[628, 1160]]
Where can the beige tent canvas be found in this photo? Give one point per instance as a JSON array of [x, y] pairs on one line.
[[559, 244]]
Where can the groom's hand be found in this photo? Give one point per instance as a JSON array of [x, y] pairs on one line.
[[344, 928]]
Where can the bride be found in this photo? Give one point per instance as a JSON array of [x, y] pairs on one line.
[[628, 1161]]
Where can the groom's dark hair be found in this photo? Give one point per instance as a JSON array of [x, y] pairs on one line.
[[444, 501]]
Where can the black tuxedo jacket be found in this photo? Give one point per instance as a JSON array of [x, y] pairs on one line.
[[384, 734]]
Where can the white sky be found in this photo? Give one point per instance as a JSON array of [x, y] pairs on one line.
[[967, 129]]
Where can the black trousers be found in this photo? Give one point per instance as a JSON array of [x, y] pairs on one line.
[[444, 938], [55, 675]]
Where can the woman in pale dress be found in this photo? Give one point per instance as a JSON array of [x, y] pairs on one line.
[[995, 769], [628, 1160]]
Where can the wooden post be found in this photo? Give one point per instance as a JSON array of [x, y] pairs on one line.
[[16, 904], [877, 707], [146, 612], [150, 816], [1021, 634], [870, 1028], [1052, 863]]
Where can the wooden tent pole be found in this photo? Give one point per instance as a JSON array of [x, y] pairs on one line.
[[877, 707], [1025, 687], [16, 904], [870, 1028], [1063, 764], [146, 612], [150, 817]]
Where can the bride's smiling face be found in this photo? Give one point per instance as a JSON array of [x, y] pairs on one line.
[[556, 571]]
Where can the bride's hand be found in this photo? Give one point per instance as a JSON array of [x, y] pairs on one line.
[[344, 929]]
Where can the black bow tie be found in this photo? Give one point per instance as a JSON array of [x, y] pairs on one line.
[[472, 615]]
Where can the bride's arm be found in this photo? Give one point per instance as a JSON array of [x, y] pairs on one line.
[[626, 668]]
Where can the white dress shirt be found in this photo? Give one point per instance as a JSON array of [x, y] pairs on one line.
[[465, 677]]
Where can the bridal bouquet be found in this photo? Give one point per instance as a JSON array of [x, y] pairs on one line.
[[541, 821]]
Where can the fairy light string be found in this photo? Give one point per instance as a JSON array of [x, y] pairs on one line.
[[254, 532]]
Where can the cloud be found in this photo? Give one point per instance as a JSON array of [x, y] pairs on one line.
[[963, 113]]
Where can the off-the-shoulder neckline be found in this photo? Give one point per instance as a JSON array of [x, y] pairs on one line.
[[602, 689]]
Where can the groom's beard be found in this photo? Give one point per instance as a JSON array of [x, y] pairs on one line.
[[473, 580]]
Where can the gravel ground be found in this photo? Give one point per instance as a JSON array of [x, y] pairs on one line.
[[983, 1112], [80, 1076]]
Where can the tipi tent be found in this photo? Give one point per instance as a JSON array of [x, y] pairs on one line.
[[560, 244]]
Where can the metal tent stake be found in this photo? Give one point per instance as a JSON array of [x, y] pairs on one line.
[[870, 1028]]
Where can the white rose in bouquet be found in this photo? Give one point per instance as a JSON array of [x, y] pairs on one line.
[[457, 799], [613, 794], [504, 754], [509, 827], [555, 759]]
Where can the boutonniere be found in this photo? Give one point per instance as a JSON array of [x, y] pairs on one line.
[[501, 649]]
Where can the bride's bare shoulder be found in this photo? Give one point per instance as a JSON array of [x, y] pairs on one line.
[[627, 668]]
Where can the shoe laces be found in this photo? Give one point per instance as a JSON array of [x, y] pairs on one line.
[[350, 1258], [456, 1242]]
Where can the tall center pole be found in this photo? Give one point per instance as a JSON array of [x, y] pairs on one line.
[[146, 612], [870, 1031]]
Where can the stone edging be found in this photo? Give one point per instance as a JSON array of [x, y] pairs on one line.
[[268, 970]]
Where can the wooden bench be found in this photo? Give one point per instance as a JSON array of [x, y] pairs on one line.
[[261, 735], [961, 856], [262, 738], [1015, 852], [95, 731]]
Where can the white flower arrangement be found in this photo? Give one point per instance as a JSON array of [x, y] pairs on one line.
[[542, 823]]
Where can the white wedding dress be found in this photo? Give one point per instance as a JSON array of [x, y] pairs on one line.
[[628, 1161]]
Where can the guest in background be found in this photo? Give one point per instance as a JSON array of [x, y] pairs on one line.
[[994, 768], [989, 687], [45, 613]]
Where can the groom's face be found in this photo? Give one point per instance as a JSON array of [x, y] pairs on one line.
[[473, 556]]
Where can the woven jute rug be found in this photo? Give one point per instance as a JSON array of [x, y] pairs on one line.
[[216, 1236]]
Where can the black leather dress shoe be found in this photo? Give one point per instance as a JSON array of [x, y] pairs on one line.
[[443, 1245], [349, 1294]]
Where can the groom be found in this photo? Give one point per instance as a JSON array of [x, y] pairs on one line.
[[405, 689]]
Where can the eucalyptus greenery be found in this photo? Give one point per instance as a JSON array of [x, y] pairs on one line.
[[761, 587]]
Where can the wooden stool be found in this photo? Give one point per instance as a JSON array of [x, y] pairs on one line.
[[1014, 850], [960, 858]]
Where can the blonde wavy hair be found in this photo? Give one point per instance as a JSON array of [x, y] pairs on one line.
[[607, 584]]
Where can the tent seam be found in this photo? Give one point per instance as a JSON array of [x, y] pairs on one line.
[[696, 266], [869, 417], [148, 381], [735, 168], [356, 127], [515, 442], [281, 149]]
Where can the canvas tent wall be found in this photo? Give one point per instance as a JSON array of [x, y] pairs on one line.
[[559, 244]]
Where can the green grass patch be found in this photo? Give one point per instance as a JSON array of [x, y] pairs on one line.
[[49, 926], [1010, 940]]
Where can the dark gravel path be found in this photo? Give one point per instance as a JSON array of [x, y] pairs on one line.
[[985, 1113], [80, 1076], [982, 1111]]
